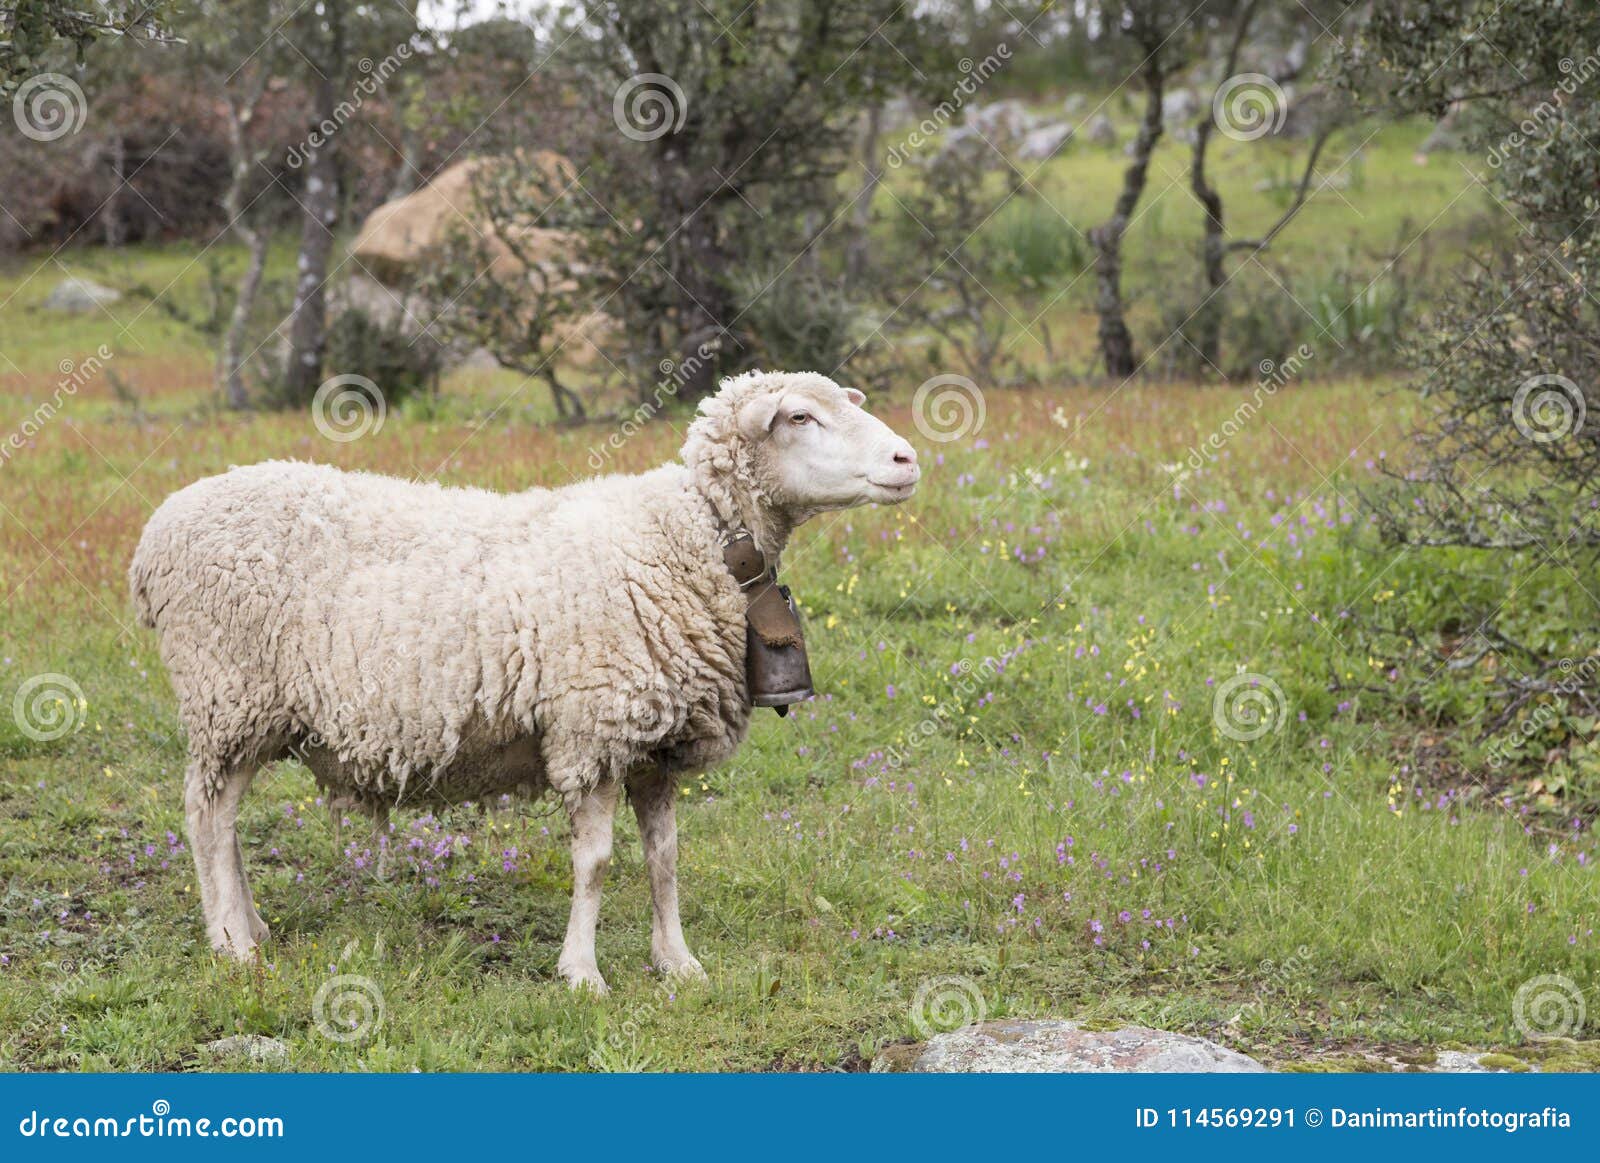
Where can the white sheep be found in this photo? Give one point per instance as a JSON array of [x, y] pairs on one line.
[[422, 645]]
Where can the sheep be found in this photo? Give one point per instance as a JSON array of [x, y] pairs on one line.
[[420, 645]]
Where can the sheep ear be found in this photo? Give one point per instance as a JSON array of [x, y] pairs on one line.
[[756, 417], [855, 397]]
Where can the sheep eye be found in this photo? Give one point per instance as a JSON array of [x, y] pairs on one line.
[[799, 418]]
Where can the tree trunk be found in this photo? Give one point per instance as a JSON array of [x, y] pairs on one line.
[[1116, 341], [308, 327], [704, 305], [111, 209], [1213, 246], [858, 249], [230, 364]]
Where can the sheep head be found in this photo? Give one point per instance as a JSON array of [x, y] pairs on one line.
[[772, 449]]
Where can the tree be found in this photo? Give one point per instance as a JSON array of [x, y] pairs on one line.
[[723, 132], [231, 52], [33, 33], [1156, 29], [1247, 106], [1509, 456], [344, 51]]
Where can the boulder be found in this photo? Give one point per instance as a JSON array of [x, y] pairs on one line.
[[1003, 121], [1044, 143], [1101, 131], [1179, 105], [1062, 1047], [257, 1049], [399, 236], [75, 296]]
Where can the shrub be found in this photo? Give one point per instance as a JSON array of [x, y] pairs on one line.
[[401, 364]]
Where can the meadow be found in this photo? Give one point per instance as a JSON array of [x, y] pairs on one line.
[[1101, 734], [1033, 767]]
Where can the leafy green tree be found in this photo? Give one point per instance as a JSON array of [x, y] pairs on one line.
[[36, 34], [1509, 457], [707, 139]]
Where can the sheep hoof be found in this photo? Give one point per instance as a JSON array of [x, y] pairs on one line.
[[685, 969], [585, 980], [242, 950]]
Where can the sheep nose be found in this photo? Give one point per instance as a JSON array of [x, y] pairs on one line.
[[905, 454]]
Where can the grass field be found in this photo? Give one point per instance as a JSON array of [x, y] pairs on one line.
[[1101, 733], [1033, 770]]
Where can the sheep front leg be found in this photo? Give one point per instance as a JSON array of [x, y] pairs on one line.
[[591, 813], [658, 830]]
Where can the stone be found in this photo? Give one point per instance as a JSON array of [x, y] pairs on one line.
[[1101, 131], [1179, 105], [1062, 1047], [257, 1049], [400, 237], [75, 296], [1005, 120], [1044, 143]]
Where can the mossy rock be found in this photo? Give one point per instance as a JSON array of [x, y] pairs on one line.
[[1498, 1061], [1564, 1055], [1338, 1064]]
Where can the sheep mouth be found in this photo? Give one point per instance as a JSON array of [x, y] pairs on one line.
[[898, 491]]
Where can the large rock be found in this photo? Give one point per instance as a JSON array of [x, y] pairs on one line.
[[1062, 1047], [1101, 131], [400, 236], [1179, 105], [1044, 143], [1003, 121], [77, 296], [256, 1049]]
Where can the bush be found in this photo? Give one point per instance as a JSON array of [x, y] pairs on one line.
[[400, 364], [800, 320], [1031, 246]]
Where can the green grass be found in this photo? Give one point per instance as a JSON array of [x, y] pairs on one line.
[[1312, 890], [1316, 891]]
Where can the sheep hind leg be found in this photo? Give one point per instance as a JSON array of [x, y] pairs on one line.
[[653, 804], [212, 796], [592, 814]]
